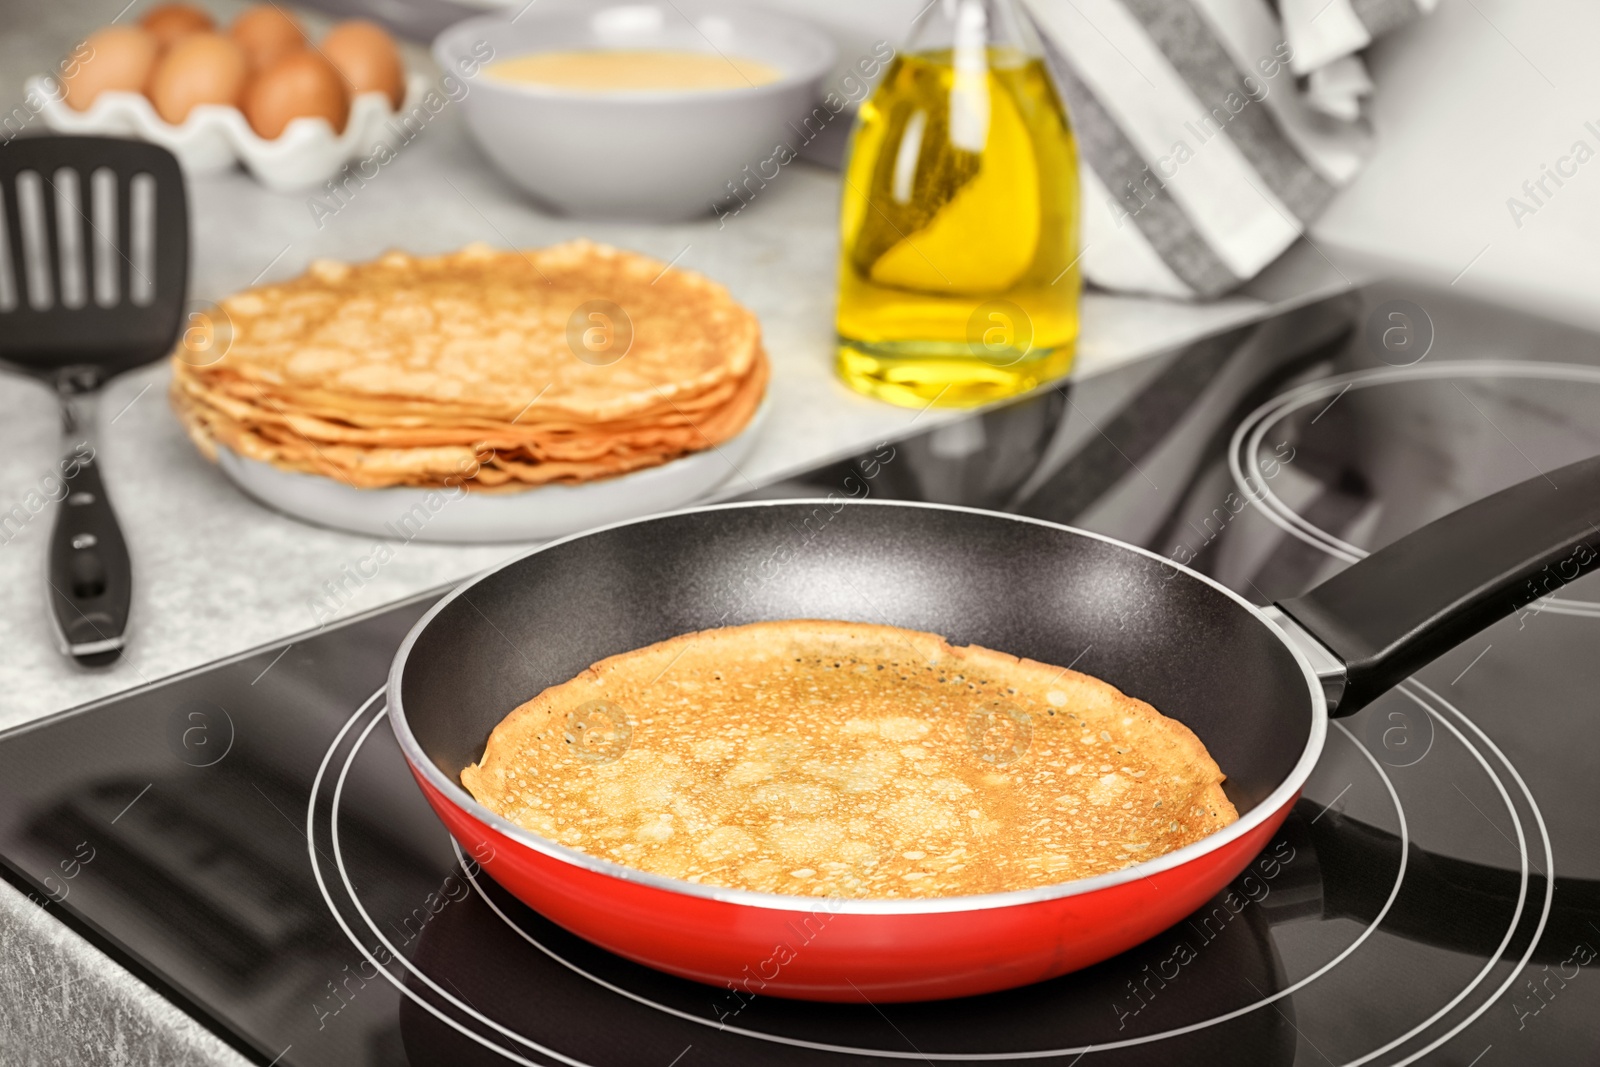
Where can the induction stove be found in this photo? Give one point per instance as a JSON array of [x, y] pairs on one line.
[[247, 839]]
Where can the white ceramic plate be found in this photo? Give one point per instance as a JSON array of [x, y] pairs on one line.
[[406, 514]]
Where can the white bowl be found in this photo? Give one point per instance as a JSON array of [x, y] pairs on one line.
[[403, 513], [214, 137], [661, 155]]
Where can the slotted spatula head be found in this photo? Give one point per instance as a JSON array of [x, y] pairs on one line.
[[94, 255]]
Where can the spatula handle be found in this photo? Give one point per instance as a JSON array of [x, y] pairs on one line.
[[91, 579]]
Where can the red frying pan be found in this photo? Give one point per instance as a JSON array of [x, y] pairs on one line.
[[1255, 684]]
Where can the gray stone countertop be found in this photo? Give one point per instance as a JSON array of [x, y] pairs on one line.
[[216, 572]]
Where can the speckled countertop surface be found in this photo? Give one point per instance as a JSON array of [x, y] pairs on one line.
[[216, 573], [62, 1001]]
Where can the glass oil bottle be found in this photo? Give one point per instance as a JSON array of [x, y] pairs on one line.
[[958, 275]]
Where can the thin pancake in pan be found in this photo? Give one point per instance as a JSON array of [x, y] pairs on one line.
[[852, 760]]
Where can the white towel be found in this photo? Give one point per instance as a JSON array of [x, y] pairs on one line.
[[1210, 132]]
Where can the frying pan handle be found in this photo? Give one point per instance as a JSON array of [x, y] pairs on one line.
[[91, 578], [1413, 600]]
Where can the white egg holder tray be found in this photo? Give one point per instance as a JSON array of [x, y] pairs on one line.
[[215, 137]]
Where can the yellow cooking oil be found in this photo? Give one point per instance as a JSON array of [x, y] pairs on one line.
[[958, 274]]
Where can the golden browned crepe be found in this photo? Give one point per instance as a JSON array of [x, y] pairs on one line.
[[849, 760], [458, 369]]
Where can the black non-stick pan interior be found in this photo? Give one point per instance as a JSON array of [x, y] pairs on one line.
[[1025, 588]]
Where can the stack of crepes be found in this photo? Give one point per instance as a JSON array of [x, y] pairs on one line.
[[489, 369]]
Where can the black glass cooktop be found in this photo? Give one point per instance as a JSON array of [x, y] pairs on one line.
[[247, 838]]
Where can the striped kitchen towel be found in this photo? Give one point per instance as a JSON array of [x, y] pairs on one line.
[[1211, 132]]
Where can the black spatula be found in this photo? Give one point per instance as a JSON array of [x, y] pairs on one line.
[[94, 260]]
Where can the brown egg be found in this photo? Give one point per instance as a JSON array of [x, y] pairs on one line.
[[115, 58], [301, 84], [168, 22], [202, 68], [368, 59], [267, 33]]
